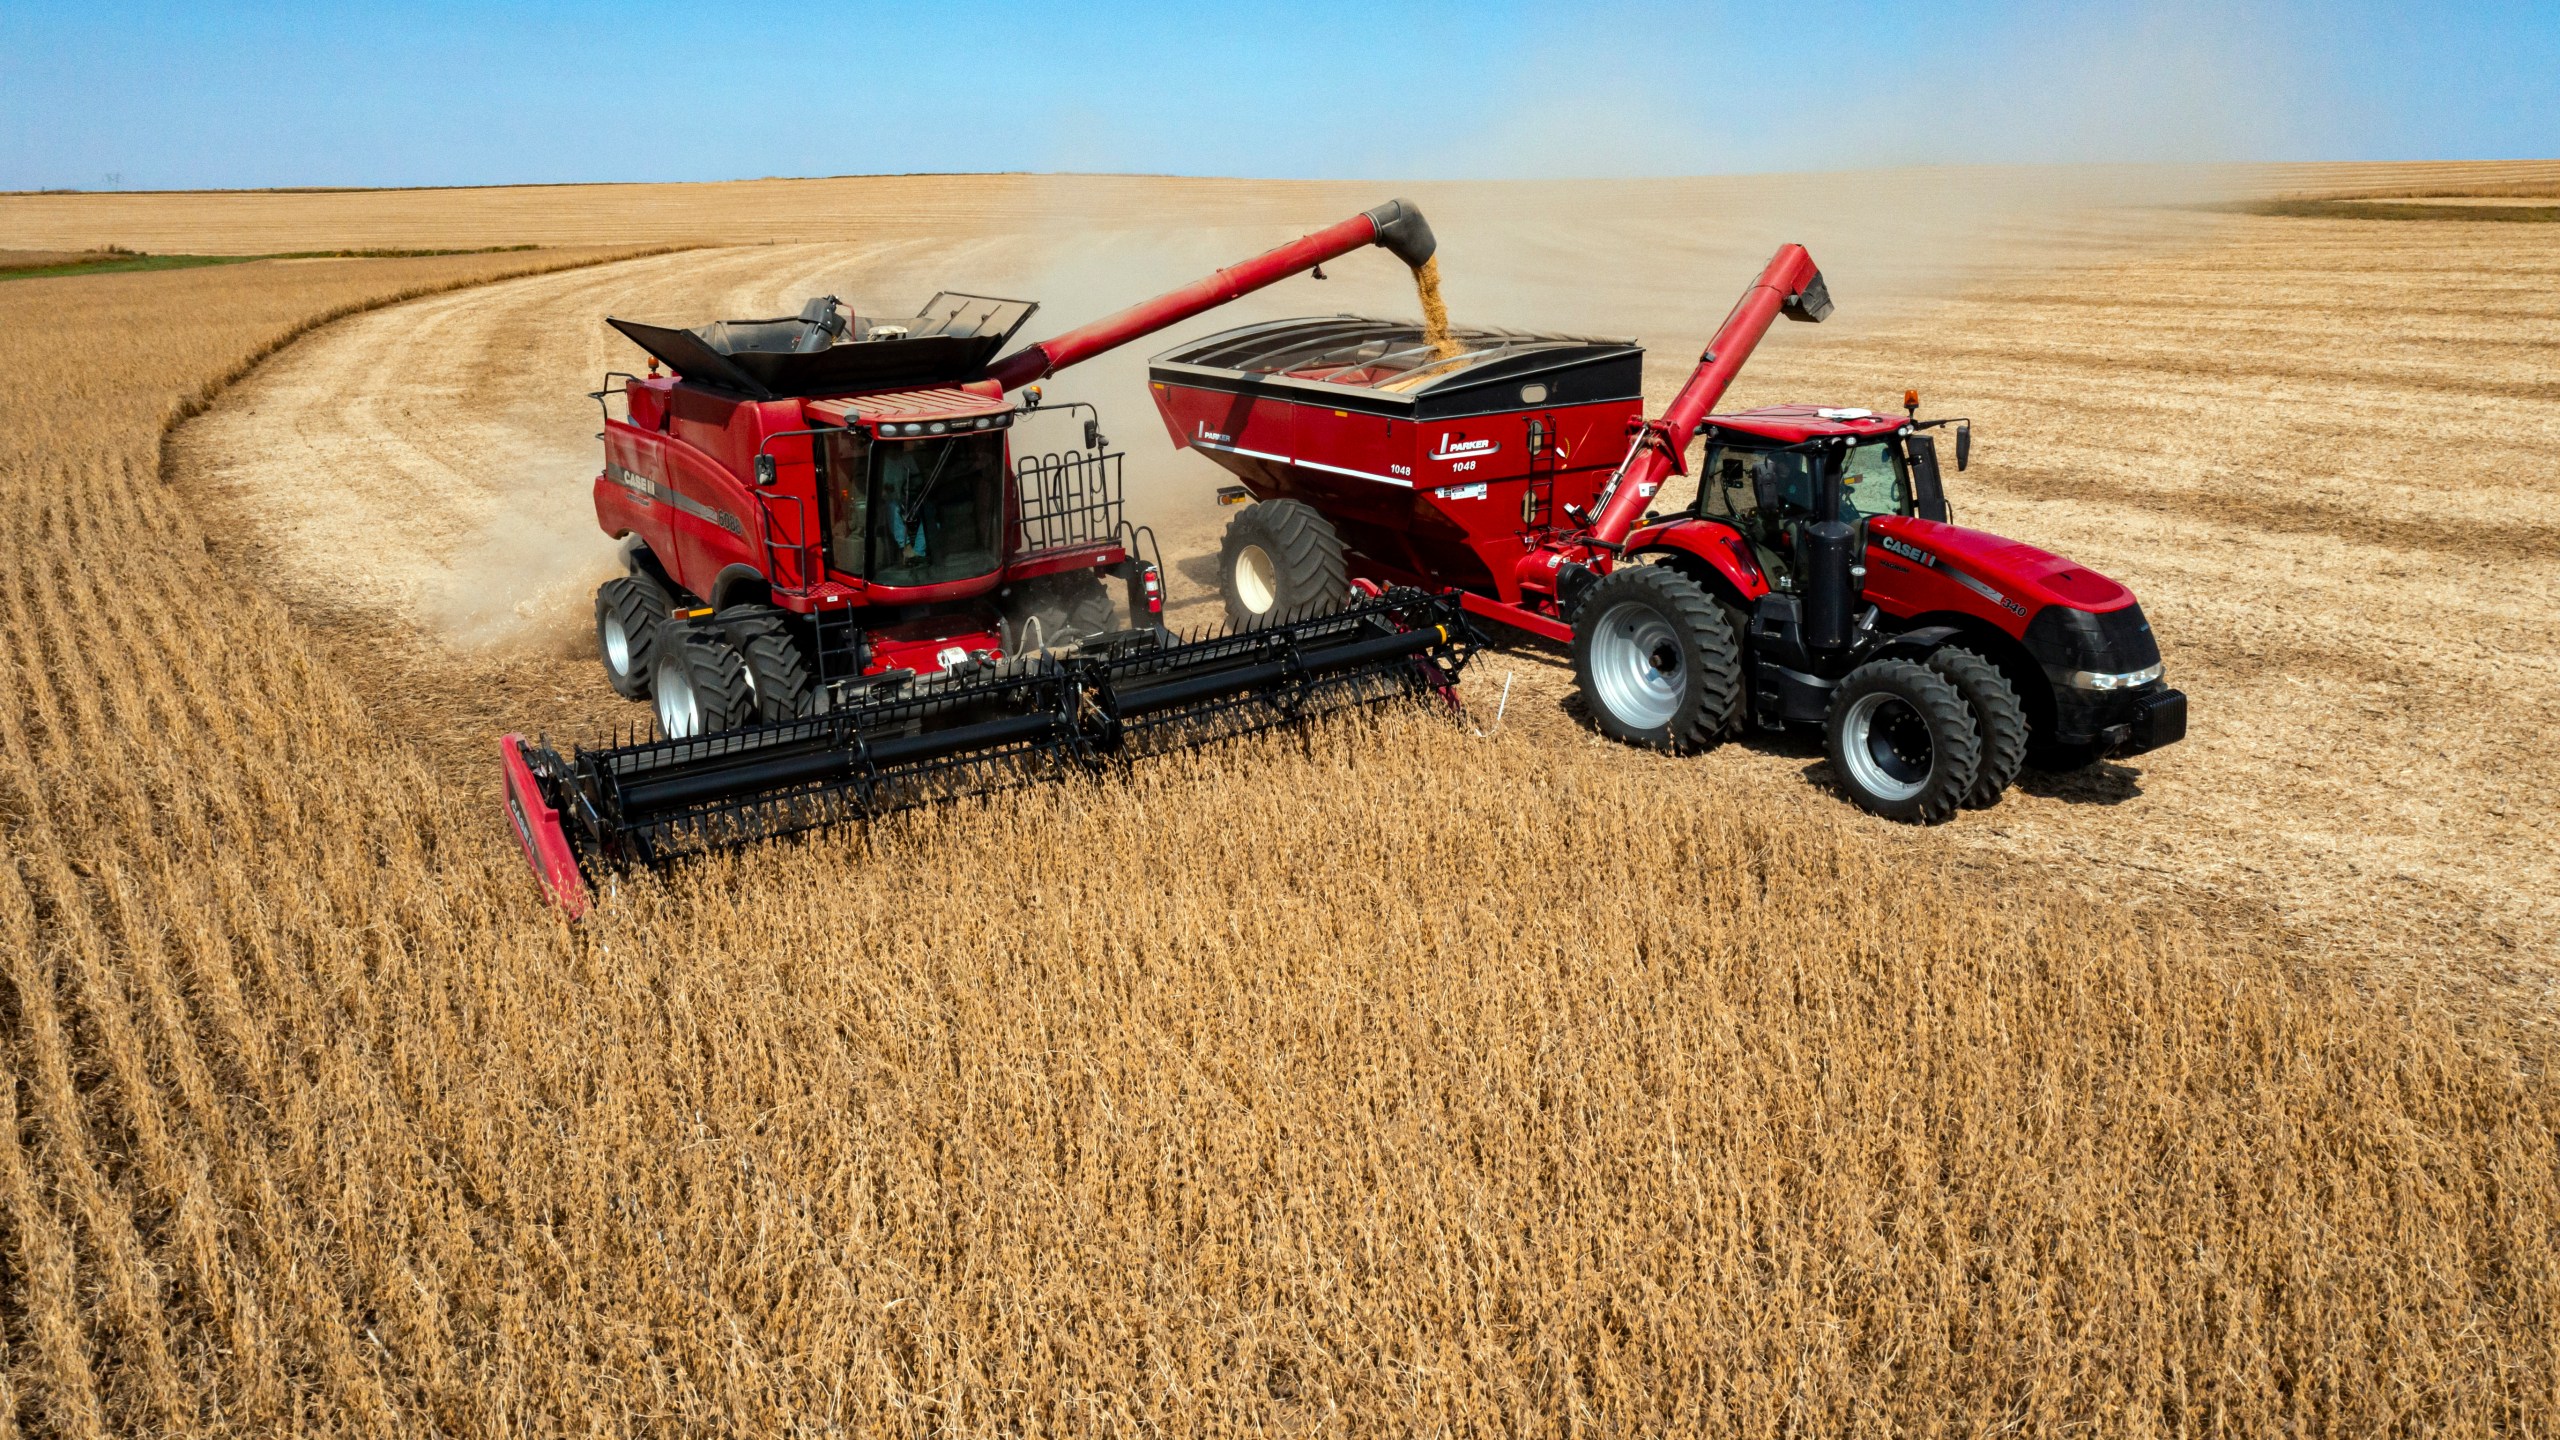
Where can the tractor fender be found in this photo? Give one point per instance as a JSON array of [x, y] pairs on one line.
[[738, 584], [1915, 644], [1714, 555]]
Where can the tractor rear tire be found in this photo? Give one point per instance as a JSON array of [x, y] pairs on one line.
[[1281, 560], [1072, 608], [1999, 721], [1656, 659], [701, 683], [776, 670], [1901, 741], [631, 622]]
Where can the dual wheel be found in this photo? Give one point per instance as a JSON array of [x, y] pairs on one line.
[[704, 674], [1660, 664]]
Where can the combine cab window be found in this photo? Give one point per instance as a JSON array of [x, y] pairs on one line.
[[935, 510], [847, 458]]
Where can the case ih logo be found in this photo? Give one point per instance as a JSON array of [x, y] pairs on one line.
[[1453, 447], [1909, 551]]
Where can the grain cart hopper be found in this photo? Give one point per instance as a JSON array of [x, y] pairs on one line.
[[1816, 578], [851, 590]]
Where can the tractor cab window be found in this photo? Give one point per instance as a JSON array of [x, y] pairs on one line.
[[935, 509], [1873, 481]]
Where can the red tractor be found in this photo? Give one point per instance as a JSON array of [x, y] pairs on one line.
[[1817, 578], [850, 590]]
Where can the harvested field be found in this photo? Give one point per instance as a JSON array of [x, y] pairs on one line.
[[1392, 1080]]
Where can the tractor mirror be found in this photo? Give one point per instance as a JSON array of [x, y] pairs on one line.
[[1964, 446], [766, 471], [1768, 494]]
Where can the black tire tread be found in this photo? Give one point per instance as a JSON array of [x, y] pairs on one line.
[[642, 605], [1709, 714], [719, 674], [1306, 552], [2000, 722], [776, 670], [1951, 728]]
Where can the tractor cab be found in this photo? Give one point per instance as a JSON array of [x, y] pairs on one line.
[[1769, 472]]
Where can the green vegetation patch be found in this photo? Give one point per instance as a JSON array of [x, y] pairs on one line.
[[116, 261]]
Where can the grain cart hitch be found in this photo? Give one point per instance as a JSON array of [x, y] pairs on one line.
[[592, 812]]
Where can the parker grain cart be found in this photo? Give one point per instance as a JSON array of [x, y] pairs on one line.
[[852, 590], [1816, 579]]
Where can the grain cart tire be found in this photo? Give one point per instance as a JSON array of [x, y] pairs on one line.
[[776, 670], [1070, 608], [631, 620], [1281, 560], [701, 683], [1656, 660], [1999, 721], [1901, 741]]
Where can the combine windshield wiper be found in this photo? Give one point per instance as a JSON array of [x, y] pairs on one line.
[[914, 507]]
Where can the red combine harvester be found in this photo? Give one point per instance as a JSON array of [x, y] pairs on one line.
[[848, 594], [1816, 578]]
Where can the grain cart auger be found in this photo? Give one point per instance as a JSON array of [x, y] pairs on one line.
[[852, 589], [1815, 579]]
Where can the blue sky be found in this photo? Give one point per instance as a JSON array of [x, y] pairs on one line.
[[358, 94]]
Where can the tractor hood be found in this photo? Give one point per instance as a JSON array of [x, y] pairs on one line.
[[2012, 566]]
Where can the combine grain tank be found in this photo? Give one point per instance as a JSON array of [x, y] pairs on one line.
[[1431, 466]]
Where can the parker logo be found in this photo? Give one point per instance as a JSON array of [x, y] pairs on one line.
[[1453, 448], [1201, 431]]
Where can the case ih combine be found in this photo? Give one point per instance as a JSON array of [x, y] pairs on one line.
[[1816, 578], [848, 593]]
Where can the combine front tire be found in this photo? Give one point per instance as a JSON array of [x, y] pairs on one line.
[[1999, 721], [1901, 741], [701, 683], [776, 672], [1281, 560], [631, 620], [1070, 608], [1656, 659]]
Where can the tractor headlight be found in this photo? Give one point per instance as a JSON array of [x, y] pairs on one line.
[[2127, 680]]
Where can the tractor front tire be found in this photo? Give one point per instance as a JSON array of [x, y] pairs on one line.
[[631, 622], [701, 683], [1901, 741], [776, 671], [1281, 560], [1656, 659], [1999, 721]]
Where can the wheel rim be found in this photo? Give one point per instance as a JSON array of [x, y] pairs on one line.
[[1257, 579], [1885, 742], [679, 711], [1637, 667], [617, 646]]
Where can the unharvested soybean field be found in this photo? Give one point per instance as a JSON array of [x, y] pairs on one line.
[[1395, 1078]]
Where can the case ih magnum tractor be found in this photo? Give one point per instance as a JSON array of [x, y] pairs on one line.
[[1816, 579], [847, 593]]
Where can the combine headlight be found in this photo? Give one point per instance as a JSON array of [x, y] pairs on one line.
[[935, 428], [2092, 680], [912, 428]]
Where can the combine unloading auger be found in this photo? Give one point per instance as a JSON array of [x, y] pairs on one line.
[[1045, 717]]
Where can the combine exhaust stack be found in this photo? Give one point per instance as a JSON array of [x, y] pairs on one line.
[[1046, 717]]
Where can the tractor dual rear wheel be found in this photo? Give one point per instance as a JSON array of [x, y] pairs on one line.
[[631, 620], [1281, 560], [1902, 741], [1656, 659]]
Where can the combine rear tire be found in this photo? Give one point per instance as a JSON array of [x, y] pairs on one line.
[[1281, 560], [1999, 721], [776, 672], [631, 620], [1656, 660], [701, 683], [1071, 608], [1902, 741]]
